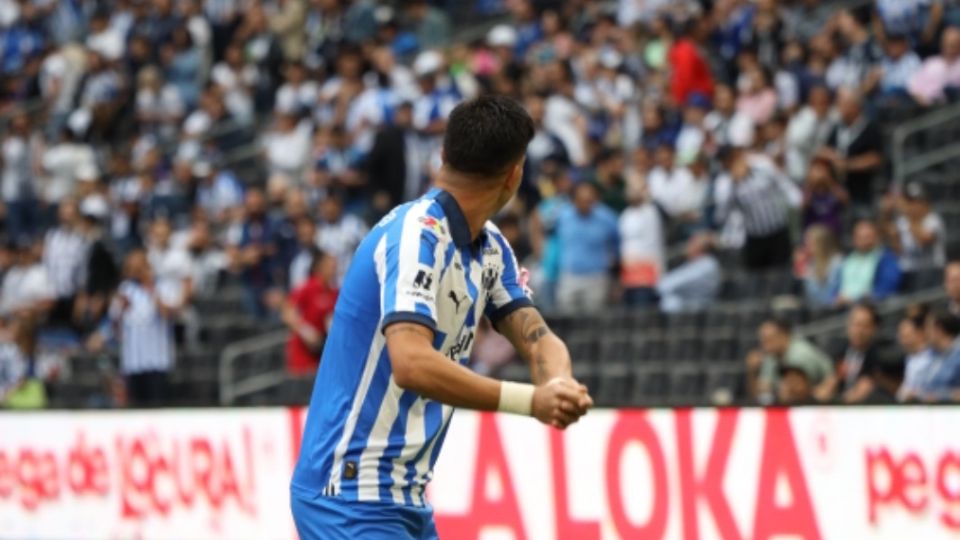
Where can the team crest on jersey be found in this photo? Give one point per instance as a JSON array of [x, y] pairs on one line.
[[433, 224]]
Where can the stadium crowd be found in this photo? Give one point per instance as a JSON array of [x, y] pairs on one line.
[[152, 151]]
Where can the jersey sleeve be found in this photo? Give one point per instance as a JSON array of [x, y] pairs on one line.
[[507, 292], [409, 268]]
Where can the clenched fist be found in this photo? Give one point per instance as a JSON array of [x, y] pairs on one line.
[[561, 402]]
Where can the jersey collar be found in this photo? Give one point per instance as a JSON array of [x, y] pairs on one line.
[[459, 229]]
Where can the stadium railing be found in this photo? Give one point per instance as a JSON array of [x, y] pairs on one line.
[[265, 375], [942, 119]]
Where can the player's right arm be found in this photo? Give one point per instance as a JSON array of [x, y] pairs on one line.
[[409, 267], [421, 369]]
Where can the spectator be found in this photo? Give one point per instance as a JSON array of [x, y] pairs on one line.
[[395, 167], [757, 100], [20, 155], [807, 18], [674, 188], [795, 385], [339, 233], [62, 161], [951, 284], [824, 199], [762, 194], [171, 265], [689, 70], [941, 379], [692, 138], [725, 124], [19, 386], [694, 285], [587, 237], [918, 19], [26, 285], [890, 79], [608, 173], [102, 274], [916, 233], [871, 271], [429, 24], [306, 247], [858, 362], [65, 253], [819, 266], [252, 254], [642, 250], [782, 349], [544, 239], [939, 77], [143, 318], [918, 356], [287, 148], [218, 190], [160, 109], [308, 313], [808, 131], [855, 148], [862, 54]]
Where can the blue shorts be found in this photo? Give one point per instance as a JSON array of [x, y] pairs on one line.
[[326, 518]]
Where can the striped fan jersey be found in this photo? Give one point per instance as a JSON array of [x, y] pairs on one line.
[[367, 439]]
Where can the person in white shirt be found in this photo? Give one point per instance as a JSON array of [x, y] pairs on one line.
[[26, 286], [675, 188], [287, 147], [641, 246], [725, 124], [808, 131], [172, 265], [338, 233], [62, 161]]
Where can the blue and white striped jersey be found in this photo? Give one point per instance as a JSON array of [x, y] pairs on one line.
[[366, 439]]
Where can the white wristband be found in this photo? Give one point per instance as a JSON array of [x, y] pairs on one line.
[[516, 398]]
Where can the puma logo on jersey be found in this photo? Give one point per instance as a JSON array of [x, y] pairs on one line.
[[457, 300]]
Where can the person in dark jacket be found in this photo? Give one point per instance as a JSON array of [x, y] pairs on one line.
[[395, 170]]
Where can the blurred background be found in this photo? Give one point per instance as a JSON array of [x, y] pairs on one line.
[[726, 202]]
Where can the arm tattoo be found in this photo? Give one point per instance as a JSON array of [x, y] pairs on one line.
[[534, 335], [528, 326]]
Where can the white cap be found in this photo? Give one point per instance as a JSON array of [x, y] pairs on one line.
[[87, 172], [502, 35], [79, 121], [95, 206], [427, 62]]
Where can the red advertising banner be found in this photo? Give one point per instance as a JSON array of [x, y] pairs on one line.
[[816, 473]]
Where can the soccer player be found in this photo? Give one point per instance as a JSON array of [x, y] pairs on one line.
[[392, 369]]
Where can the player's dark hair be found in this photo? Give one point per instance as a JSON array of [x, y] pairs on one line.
[[487, 135]]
